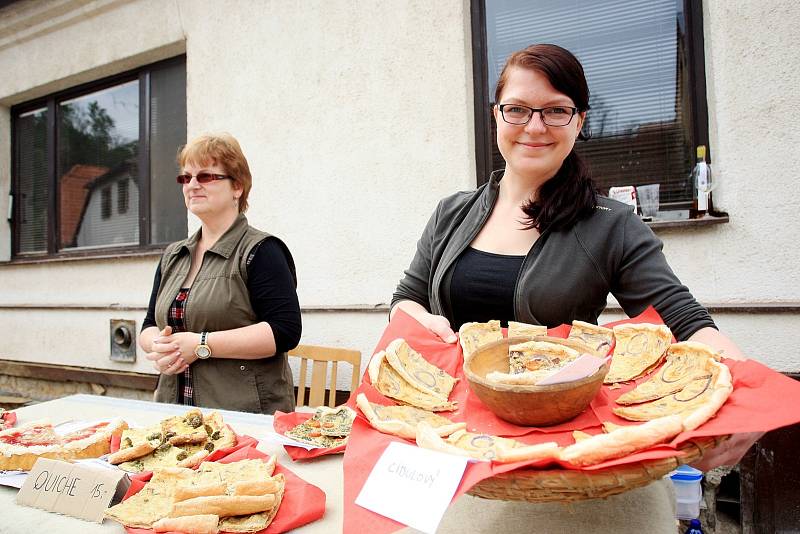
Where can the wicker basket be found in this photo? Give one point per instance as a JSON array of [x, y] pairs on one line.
[[568, 485]]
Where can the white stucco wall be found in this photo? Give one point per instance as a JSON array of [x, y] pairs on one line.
[[334, 104]]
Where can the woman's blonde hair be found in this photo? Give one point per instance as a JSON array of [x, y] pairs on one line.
[[220, 149]]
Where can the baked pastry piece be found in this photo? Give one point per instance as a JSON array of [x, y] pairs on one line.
[[686, 362], [402, 420], [388, 381], [538, 356], [484, 446], [190, 524], [598, 339], [622, 441], [696, 403], [174, 442], [418, 371], [639, 347], [530, 331], [188, 497], [328, 427], [532, 361], [472, 336], [20, 447]]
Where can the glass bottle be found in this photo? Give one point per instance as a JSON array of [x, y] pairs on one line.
[[702, 184]]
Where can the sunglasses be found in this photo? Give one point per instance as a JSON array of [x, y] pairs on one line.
[[202, 178]]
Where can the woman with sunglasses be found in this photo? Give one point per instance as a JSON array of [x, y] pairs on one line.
[[537, 244], [223, 310]]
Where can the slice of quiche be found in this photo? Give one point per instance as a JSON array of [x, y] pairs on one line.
[[639, 348], [598, 339], [402, 420], [418, 371], [473, 336]]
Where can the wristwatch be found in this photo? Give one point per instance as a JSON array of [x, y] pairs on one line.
[[203, 351]]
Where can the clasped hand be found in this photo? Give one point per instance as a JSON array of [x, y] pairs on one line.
[[173, 353]]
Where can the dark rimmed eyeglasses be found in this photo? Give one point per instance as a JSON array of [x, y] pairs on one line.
[[202, 177], [551, 116]]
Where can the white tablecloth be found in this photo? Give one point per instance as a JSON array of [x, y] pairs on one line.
[[324, 472]]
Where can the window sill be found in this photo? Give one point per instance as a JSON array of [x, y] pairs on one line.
[[707, 220], [107, 254]]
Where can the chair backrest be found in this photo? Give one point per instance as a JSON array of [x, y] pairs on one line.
[[320, 356]]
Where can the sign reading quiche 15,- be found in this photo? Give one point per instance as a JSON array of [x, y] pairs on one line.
[[71, 489]]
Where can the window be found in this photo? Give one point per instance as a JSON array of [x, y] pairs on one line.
[[78, 151], [643, 60]]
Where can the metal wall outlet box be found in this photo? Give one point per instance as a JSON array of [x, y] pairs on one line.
[[123, 340]]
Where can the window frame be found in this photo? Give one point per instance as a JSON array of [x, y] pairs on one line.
[[695, 42], [50, 102]]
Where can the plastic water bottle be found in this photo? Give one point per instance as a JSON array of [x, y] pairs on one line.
[[694, 527]]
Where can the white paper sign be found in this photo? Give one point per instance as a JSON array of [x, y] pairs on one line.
[[585, 365], [412, 485]]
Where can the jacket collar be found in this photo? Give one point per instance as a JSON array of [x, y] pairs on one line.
[[224, 245]]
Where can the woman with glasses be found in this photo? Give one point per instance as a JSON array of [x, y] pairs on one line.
[[537, 244], [223, 310]]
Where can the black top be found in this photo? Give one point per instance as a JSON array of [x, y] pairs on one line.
[[270, 286], [482, 287]]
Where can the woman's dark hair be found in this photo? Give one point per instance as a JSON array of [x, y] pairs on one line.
[[571, 194]]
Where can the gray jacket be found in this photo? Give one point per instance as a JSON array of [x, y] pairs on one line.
[[567, 275]]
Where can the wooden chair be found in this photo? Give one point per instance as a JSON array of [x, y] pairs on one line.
[[320, 356]]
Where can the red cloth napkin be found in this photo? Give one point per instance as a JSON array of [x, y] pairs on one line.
[[302, 502], [287, 421], [762, 400], [9, 420]]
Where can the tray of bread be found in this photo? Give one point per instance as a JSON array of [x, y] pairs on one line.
[[659, 404]]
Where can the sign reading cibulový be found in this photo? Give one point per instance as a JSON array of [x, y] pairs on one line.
[[77, 490], [412, 485]]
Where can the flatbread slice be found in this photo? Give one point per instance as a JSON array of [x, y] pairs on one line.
[[153, 502], [597, 338], [328, 427], [539, 356], [418, 371], [526, 378], [483, 446], [706, 394], [472, 336], [531, 331], [685, 362], [93, 441], [168, 455], [260, 521], [402, 420], [386, 380], [136, 443], [190, 524], [219, 433], [185, 429], [622, 441], [639, 347]]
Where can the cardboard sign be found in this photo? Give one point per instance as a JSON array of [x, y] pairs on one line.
[[412, 485], [77, 490]]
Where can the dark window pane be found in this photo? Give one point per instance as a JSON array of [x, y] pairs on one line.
[[123, 189], [634, 56], [167, 134], [105, 205], [98, 137], [31, 195]]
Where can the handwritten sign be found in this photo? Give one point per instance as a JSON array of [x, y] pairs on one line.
[[412, 485], [78, 490]]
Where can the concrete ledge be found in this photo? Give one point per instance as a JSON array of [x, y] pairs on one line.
[[65, 373]]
